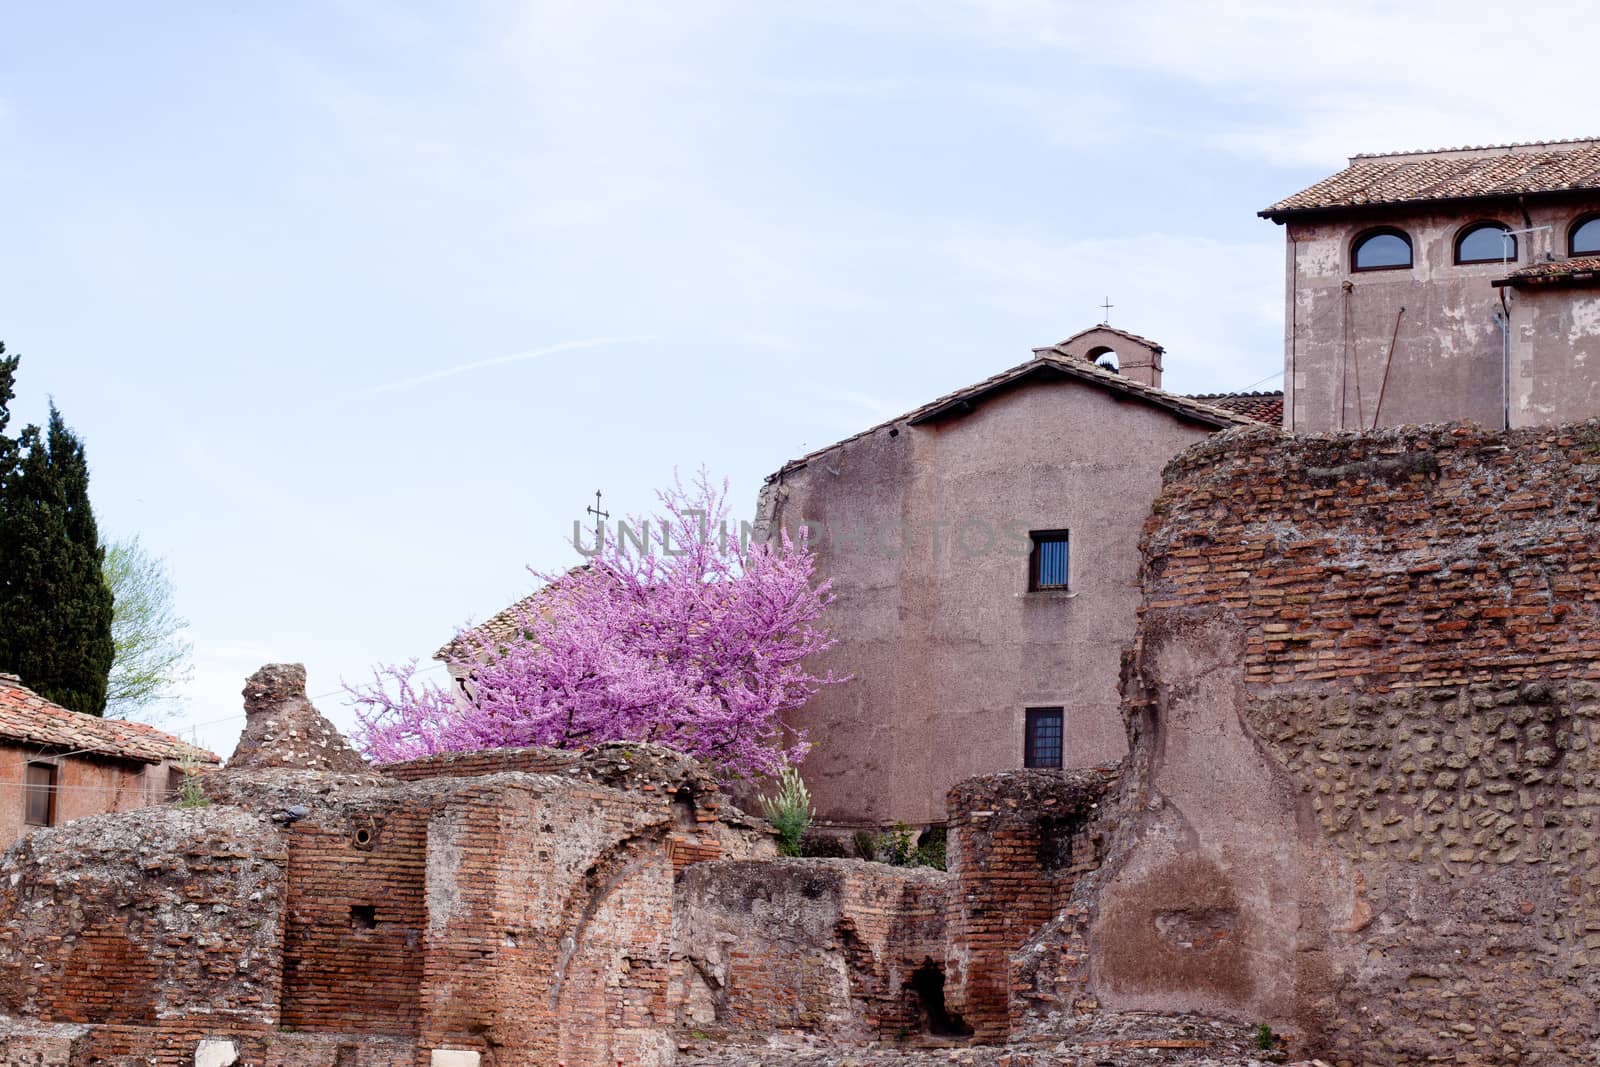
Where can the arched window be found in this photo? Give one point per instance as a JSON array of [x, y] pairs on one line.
[[1586, 237], [1105, 358], [1486, 242], [1385, 249]]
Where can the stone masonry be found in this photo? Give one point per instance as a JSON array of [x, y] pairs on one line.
[[1363, 802], [331, 917]]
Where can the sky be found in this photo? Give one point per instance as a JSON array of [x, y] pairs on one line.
[[356, 304]]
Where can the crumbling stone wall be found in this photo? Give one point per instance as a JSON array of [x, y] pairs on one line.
[[1362, 798], [1018, 841], [130, 921], [845, 949], [282, 729], [328, 916]]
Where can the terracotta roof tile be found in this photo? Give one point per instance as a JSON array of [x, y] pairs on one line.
[[1452, 174], [1262, 407], [27, 717], [503, 624], [1584, 269]]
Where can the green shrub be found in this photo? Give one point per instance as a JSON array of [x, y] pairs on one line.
[[897, 846], [865, 845], [789, 811], [931, 852], [1265, 1038]]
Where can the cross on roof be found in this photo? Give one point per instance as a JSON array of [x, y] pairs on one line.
[[1106, 307], [599, 517]]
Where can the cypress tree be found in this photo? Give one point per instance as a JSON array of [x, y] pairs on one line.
[[55, 607]]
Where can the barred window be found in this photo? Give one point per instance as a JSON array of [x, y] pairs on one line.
[[1042, 744]]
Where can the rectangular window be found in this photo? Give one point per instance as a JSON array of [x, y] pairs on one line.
[[39, 794], [1047, 566], [1042, 745]]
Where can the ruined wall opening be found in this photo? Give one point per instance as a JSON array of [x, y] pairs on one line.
[[1057, 836], [927, 984]]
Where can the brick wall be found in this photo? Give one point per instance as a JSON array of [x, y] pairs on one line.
[[1401, 559], [1018, 842], [1364, 794], [337, 920], [155, 925], [549, 917], [352, 947], [486, 761]]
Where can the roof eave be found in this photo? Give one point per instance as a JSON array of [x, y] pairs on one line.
[[1549, 281], [1281, 215]]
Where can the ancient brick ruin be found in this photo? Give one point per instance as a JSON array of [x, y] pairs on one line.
[[1362, 806], [1364, 789], [332, 916]]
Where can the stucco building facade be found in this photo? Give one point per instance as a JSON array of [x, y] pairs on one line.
[[984, 552], [1459, 284]]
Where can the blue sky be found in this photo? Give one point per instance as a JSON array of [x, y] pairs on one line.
[[356, 304]]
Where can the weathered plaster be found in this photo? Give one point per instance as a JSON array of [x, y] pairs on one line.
[[945, 647]]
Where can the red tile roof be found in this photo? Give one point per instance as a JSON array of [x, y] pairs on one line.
[[29, 718], [1577, 270], [500, 626], [1262, 407], [1452, 174]]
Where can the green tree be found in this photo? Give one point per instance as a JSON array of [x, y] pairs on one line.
[[55, 606], [152, 655]]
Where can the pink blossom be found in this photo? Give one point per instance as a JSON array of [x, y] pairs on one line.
[[703, 649]]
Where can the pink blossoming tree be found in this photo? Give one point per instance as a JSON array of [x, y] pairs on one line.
[[700, 644]]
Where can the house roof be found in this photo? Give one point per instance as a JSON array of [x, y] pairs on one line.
[[1447, 174], [30, 719], [503, 624], [1055, 363], [1579, 270], [1264, 407]]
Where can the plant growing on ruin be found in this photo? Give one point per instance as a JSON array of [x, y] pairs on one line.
[[789, 810], [191, 794], [702, 644], [1265, 1038], [897, 845]]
